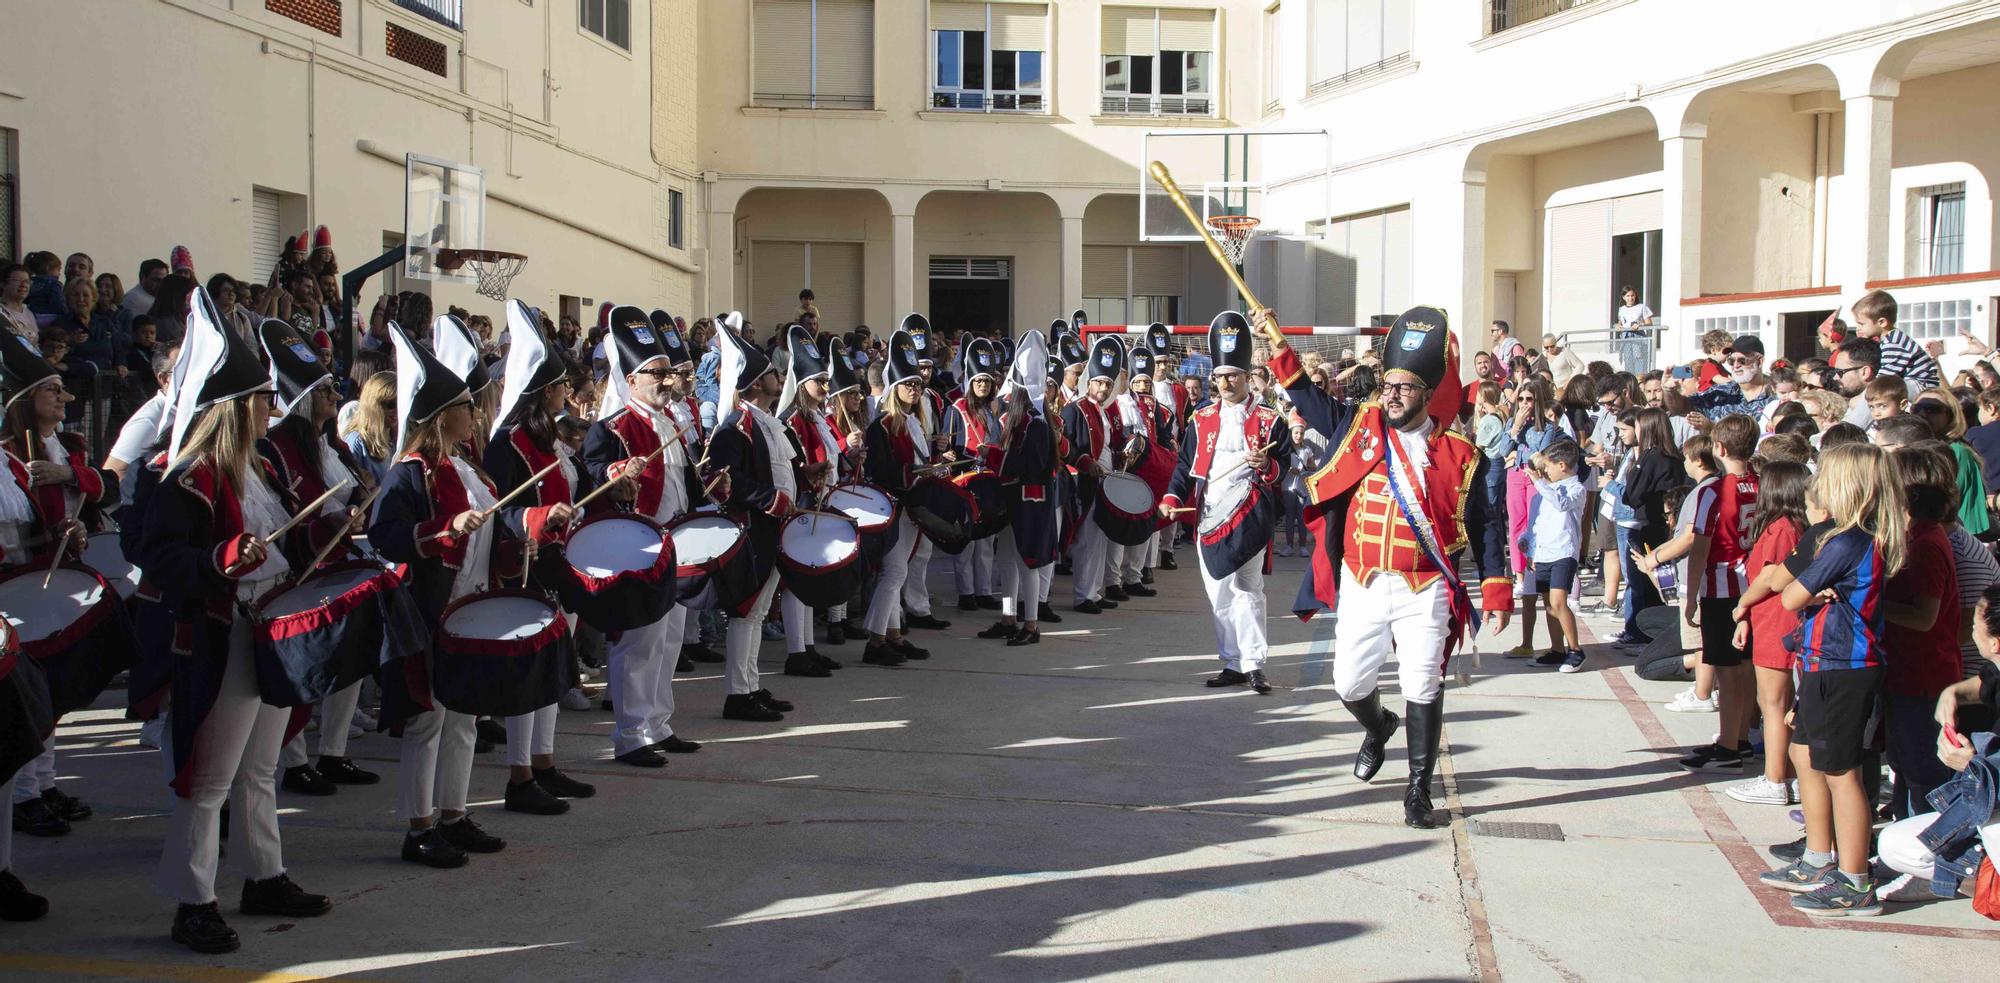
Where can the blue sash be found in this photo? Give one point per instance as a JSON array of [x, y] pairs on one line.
[[1421, 525]]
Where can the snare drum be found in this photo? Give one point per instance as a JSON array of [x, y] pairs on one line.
[[620, 572], [943, 512], [500, 654], [104, 555], [317, 637], [77, 630], [712, 560], [1127, 510], [820, 556], [991, 504], [874, 515]]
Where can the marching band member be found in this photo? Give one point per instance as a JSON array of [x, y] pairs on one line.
[[307, 460], [686, 411], [1138, 415], [898, 443], [847, 415], [26, 724], [973, 421], [1405, 488], [1094, 437], [755, 451], [523, 442], [203, 547], [1027, 455], [802, 407], [431, 516], [917, 586], [1232, 467], [634, 419], [1165, 389]]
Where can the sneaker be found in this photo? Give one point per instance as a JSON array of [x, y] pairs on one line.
[[1714, 757], [1573, 661], [1630, 639], [1761, 791], [1520, 651], [1798, 877], [1550, 658], [1789, 852], [1283, 551], [1686, 702], [1837, 898], [574, 699]]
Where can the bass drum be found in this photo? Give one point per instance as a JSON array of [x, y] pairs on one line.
[[820, 556], [501, 654], [944, 512], [712, 560], [619, 573]]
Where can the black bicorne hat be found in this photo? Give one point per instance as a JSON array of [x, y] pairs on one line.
[[1142, 363], [1069, 347], [982, 357], [1005, 345], [670, 337], [294, 365], [840, 372], [21, 370], [1230, 343], [454, 345], [1107, 359], [806, 360], [1056, 367], [241, 370], [1077, 319], [638, 341], [918, 327], [424, 386], [1417, 345], [901, 364], [1159, 340], [753, 360]]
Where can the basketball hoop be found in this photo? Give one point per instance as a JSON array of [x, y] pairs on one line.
[[492, 268], [1233, 233]]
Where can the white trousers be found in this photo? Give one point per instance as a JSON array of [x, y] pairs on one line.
[[237, 745], [1370, 620], [639, 667], [799, 622], [336, 716], [975, 569], [7, 825], [1902, 852], [1236, 599], [917, 586], [741, 641], [1086, 562], [885, 606], [35, 776], [529, 734], [1026, 586], [1126, 562], [434, 765]]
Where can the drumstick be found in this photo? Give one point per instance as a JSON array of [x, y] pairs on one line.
[[305, 513], [1238, 466], [1166, 181], [56, 560], [335, 540], [533, 480]]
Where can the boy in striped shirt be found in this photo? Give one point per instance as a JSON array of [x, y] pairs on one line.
[[1723, 515]]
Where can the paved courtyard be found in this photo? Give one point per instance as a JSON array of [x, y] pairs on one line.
[[1079, 810]]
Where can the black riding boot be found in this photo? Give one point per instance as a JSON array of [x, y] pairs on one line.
[[1378, 725], [1426, 726]]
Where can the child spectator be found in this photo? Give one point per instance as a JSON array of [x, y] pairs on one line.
[[1555, 540], [1538, 422], [1763, 624], [1920, 604], [138, 358], [1490, 433], [1721, 545], [1657, 469], [1305, 461], [1939, 408], [1698, 455], [1857, 542], [1886, 396]]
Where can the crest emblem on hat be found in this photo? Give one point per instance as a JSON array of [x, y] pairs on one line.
[[1107, 359], [1227, 339], [299, 348], [644, 335], [1414, 335]]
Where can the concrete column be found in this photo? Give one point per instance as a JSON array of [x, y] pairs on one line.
[[1680, 235], [902, 265], [719, 269], [1859, 241], [1072, 264]]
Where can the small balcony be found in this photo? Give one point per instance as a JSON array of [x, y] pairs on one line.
[[1505, 15], [450, 13]]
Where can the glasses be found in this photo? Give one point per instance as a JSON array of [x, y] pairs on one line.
[[1851, 368], [1402, 388], [1608, 402], [656, 373]]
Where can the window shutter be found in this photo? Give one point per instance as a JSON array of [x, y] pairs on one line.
[[958, 16], [1104, 271], [1636, 213], [1187, 30], [1020, 27], [847, 53], [1579, 266], [1364, 33], [1364, 246], [1334, 271], [1396, 29], [777, 271], [782, 52], [835, 279], [1329, 41], [1130, 31], [1398, 261], [265, 238], [1159, 271]]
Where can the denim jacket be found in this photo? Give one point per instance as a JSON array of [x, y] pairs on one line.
[[1964, 804]]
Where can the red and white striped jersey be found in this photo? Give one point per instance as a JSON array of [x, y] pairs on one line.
[[1725, 511]]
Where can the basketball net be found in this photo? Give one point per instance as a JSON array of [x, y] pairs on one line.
[[492, 269], [1233, 233]]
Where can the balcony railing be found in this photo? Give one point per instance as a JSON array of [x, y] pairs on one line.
[[1502, 15], [1123, 105], [450, 13]]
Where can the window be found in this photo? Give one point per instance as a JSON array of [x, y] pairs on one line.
[[814, 54], [608, 19], [1502, 15], [989, 56], [1158, 62], [10, 197], [1274, 73], [676, 219], [1353, 39], [1935, 318], [1940, 230], [450, 13], [1363, 267], [1134, 284]]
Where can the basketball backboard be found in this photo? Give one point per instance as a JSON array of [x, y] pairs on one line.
[[1279, 176], [444, 207]]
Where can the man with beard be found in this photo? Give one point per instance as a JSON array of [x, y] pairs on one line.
[[1748, 390], [1855, 364], [1404, 490]]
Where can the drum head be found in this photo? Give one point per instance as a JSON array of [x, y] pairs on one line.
[[819, 540], [1128, 493], [317, 591], [104, 555], [701, 540], [503, 619], [604, 547], [36, 613], [869, 507]]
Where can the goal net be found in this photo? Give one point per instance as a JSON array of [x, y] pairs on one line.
[[1337, 348]]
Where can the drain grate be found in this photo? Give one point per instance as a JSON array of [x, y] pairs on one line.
[[1517, 831]]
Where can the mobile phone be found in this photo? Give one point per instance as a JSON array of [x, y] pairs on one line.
[[1952, 737], [1667, 578]]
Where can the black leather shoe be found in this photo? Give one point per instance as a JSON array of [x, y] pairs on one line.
[[1167, 561], [988, 602], [1106, 603], [305, 781], [466, 835], [1088, 607], [967, 602], [743, 706], [830, 663], [200, 927], [672, 744], [66, 805], [490, 729], [1001, 629], [563, 786], [881, 655], [925, 621], [644, 757], [17, 903], [902, 647], [35, 818], [684, 664], [1045, 613], [1141, 590], [1257, 682], [1115, 592], [701, 653], [1426, 727], [764, 696], [1377, 726], [1227, 677], [836, 633], [530, 797], [431, 849], [801, 664], [279, 896], [343, 771], [1146, 575], [1025, 638]]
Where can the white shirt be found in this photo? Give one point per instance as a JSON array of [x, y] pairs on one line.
[[1222, 497], [673, 491], [779, 446], [141, 432], [473, 573], [263, 513], [1634, 313]]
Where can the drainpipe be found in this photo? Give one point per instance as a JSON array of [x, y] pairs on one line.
[[1822, 138]]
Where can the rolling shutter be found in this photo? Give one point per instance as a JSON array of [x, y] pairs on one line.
[[958, 17], [1398, 261], [846, 53], [1187, 30], [265, 239], [1129, 31], [777, 271], [1159, 271], [1364, 245], [833, 271], [1334, 272], [1636, 213], [782, 51], [1020, 27], [1579, 266], [1104, 271]]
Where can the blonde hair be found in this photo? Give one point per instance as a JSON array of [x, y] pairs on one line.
[[1859, 487], [374, 419], [222, 435], [892, 404], [1950, 401]]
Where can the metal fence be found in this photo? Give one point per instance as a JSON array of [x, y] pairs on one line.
[[450, 13], [104, 401], [1502, 15], [1634, 349]]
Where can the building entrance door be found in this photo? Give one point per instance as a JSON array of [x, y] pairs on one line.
[[972, 294]]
